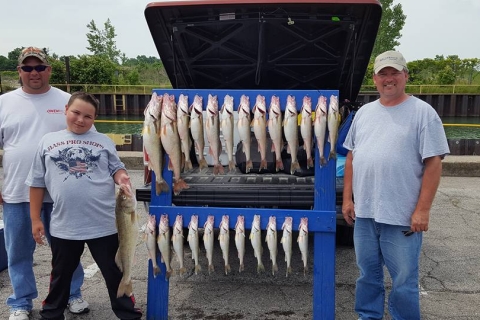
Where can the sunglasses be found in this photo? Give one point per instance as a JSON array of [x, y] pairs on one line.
[[38, 68], [407, 233]]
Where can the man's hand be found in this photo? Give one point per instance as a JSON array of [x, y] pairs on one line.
[[419, 220], [38, 232], [348, 211]]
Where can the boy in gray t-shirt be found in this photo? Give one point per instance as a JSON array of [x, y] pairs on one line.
[[79, 167]]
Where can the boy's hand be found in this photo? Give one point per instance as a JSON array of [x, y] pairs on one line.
[[38, 232]]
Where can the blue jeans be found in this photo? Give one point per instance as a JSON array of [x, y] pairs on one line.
[[376, 245], [20, 247]]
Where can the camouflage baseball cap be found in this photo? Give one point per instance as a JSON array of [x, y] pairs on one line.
[[33, 52]]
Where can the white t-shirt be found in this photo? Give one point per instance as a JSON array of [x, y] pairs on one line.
[[24, 119], [388, 146]]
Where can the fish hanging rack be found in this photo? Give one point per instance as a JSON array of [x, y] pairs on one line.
[[321, 219]]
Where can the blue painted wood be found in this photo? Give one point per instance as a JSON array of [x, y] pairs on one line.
[[321, 219]]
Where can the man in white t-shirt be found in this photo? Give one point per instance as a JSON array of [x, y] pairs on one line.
[[26, 114], [392, 172]]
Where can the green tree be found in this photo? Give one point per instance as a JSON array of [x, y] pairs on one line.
[[94, 69], [391, 25], [102, 42]]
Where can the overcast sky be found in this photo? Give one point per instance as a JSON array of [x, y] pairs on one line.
[[443, 27]]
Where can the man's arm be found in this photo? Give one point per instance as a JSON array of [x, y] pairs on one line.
[[348, 206], [430, 182], [36, 201]]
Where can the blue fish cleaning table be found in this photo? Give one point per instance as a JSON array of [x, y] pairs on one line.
[[321, 219]]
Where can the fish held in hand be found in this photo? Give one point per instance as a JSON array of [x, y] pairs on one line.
[[151, 242], [163, 243], [152, 144], [224, 239], [127, 227]]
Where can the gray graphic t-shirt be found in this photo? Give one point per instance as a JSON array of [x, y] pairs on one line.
[[77, 171]]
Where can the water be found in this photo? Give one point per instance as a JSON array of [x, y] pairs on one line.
[[136, 128]]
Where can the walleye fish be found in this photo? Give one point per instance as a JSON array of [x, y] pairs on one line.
[[152, 145], [151, 242], [127, 227], [171, 141], [244, 130], [303, 242], [271, 240], [320, 126], [224, 239], [287, 242], [163, 242], [255, 238], [192, 239], [306, 129], [240, 240], [259, 125], [212, 126], [177, 240], [333, 123], [196, 128], [290, 128], [275, 130], [226, 124], [183, 120], [208, 241]]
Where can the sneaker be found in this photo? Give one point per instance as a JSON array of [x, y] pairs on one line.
[[78, 306], [19, 315]]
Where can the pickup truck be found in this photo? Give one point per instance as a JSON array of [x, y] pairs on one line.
[[269, 45]]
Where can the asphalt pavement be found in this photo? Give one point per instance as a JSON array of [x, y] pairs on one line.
[[449, 273]]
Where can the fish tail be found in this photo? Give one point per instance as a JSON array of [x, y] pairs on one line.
[[274, 269], [198, 268], [179, 186], [156, 271], [241, 268], [218, 169], [248, 166], [227, 269], [210, 268], [169, 273], [124, 288], [188, 165], [289, 270], [231, 166], [310, 163], [260, 268], [332, 155], [294, 167], [202, 164], [305, 270], [263, 164], [279, 165], [182, 270], [323, 161]]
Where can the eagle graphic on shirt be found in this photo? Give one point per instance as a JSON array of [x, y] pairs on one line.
[[76, 161]]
